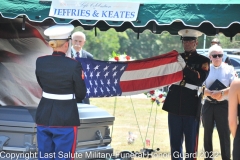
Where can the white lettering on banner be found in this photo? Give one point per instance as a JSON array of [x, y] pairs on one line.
[[114, 11]]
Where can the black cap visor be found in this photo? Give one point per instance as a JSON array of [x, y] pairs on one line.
[[188, 38]]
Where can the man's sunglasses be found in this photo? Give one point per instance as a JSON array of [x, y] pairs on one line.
[[217, 55]]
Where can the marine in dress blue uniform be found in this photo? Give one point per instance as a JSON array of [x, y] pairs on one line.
[[182, 100], [61, 81]]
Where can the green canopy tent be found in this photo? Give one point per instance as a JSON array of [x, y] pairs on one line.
[[217, 16]]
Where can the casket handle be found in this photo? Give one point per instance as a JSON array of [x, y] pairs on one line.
[[3, 140], [28, 147], [95, 142], [99, 136]]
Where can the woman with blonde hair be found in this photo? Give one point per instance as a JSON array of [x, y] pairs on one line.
[[60, 78]]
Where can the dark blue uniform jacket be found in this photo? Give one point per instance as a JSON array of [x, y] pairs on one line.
[[58, 74], [184, 101]]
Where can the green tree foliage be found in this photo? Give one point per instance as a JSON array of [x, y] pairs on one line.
[[227, 43], [144, 47], [148, 44], [169, 43], [102, 43]]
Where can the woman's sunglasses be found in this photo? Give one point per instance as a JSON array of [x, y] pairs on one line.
[[217, 55]]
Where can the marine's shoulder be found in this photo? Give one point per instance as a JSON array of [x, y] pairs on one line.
[[203, 58], [70, 59], [71, 62], [43, 58]]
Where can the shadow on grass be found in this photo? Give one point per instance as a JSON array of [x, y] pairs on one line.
[[146, 122]]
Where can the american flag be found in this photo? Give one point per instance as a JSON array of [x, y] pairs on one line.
[[107, 78], [19, 51]]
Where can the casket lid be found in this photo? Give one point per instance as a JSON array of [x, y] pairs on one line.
[[91, 114], [17, 116], [24, 116]]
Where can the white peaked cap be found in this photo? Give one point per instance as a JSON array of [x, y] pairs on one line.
[[215, 40], [189, 33], [58, 31]]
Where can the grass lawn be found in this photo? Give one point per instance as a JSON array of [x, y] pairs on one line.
[[133, 115]]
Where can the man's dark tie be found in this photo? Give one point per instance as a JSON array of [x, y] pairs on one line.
[[78, 55]]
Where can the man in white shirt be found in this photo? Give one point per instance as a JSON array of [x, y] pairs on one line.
[[215, 108], [225, 58], [78, 41]]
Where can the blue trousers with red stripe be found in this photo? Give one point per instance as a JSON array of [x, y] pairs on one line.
[[56, 143], [181, 127]]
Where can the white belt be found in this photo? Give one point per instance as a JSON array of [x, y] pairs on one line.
[[190, 86], [58, 96]]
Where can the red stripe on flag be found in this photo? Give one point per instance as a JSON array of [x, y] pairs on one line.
[[11, 57], [143, 84], [153, 61]]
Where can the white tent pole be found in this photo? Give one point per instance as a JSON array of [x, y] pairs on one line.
[[204, 43]]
